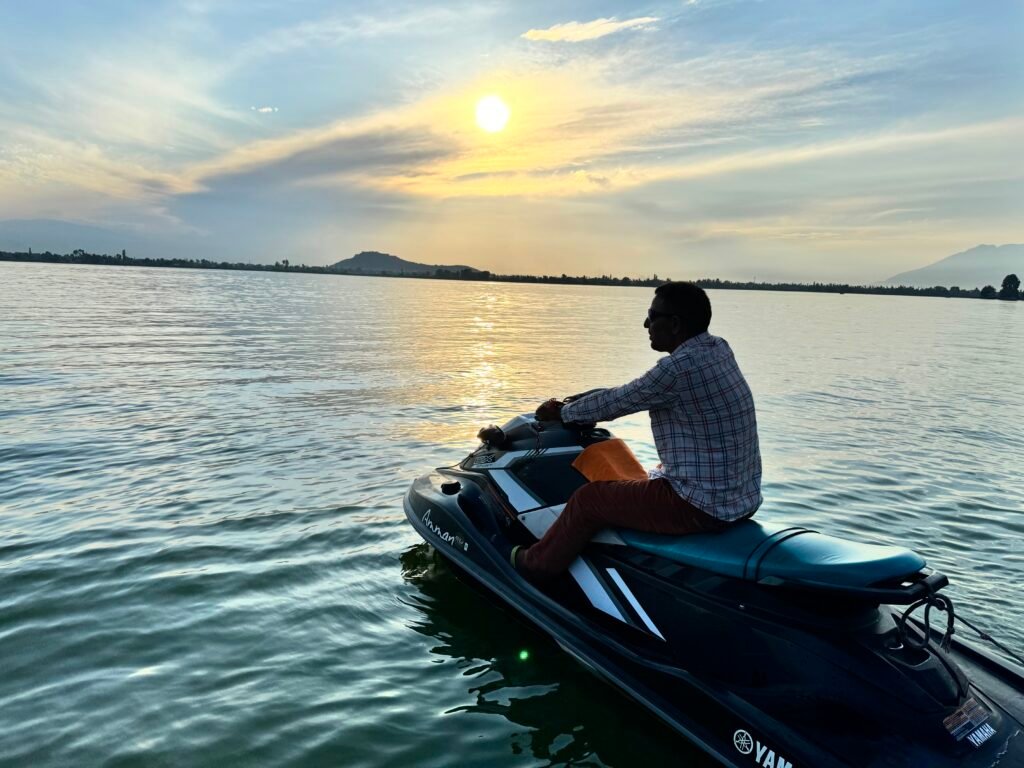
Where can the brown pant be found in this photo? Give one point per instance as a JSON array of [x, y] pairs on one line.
[[642, 505]]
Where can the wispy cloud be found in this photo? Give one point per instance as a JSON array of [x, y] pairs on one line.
[[882, 142], [105, 140], [344, 154], [156, 104], [338, 29], [577, 32], [45, 177], [264, 110]]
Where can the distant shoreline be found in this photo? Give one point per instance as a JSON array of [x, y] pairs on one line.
[[122, 260]]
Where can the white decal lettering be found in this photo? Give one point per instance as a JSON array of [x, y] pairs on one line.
[[765, 757], [446, 537], [981, 735]]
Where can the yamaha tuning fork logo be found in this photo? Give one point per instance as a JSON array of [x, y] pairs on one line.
[[764, 756], [744, 744]]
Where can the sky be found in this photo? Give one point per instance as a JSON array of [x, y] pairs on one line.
[[698, 138]]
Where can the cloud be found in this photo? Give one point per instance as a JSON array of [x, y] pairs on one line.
[[576, 32], [881, 142], [343, 155], [264, 110], [342, 29], [154, 101], [105, 141], [32, 165]]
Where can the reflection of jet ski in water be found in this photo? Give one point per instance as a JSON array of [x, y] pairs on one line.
[[764, 645], [558, 715]]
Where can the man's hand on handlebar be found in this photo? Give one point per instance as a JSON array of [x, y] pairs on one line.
[[550, 410]]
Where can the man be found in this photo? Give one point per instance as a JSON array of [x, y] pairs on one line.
[[702, 417]]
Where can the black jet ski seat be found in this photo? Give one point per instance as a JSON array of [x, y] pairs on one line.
[[775, 554]]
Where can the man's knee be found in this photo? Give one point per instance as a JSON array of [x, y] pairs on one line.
[[585, 504], [586, 494]]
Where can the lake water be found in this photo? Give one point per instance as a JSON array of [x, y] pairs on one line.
[[203, 555]]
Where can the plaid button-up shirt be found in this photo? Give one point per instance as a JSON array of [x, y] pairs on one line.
[[702, 417]]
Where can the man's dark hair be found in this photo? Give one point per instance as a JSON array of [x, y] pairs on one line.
[[689, 302]]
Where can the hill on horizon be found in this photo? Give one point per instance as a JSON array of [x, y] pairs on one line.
[[974, 268], [374, 262]]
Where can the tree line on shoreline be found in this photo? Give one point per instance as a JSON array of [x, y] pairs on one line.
[[1009, 291]]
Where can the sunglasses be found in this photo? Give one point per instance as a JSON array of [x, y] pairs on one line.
[[652, 315]]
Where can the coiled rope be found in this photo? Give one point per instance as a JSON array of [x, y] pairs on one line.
[[944, 604], [929, 601]]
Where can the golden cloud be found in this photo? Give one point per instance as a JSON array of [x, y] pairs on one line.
[[577, 32]]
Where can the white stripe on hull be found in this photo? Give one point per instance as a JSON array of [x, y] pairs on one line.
[[634, 602], [511, 456], [593, 589], [520, 498]]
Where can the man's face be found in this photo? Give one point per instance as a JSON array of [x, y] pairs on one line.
[[663, 327]]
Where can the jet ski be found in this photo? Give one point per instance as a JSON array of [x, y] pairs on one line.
[[763, 645]]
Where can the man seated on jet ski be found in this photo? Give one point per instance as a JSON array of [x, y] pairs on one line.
[[702, 417]]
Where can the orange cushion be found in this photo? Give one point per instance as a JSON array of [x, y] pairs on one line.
[[609, 460]]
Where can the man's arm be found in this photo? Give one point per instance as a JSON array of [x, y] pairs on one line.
[[652, 390]]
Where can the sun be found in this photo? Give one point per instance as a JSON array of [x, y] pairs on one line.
[[492, 113]]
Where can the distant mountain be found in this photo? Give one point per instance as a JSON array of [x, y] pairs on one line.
[[974, 268], [372, 262]]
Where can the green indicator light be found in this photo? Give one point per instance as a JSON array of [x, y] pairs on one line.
[[524, 655]]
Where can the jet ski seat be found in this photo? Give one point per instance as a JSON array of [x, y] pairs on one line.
[[774, 554]]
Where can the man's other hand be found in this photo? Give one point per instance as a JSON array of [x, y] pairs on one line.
[[550, 410]]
